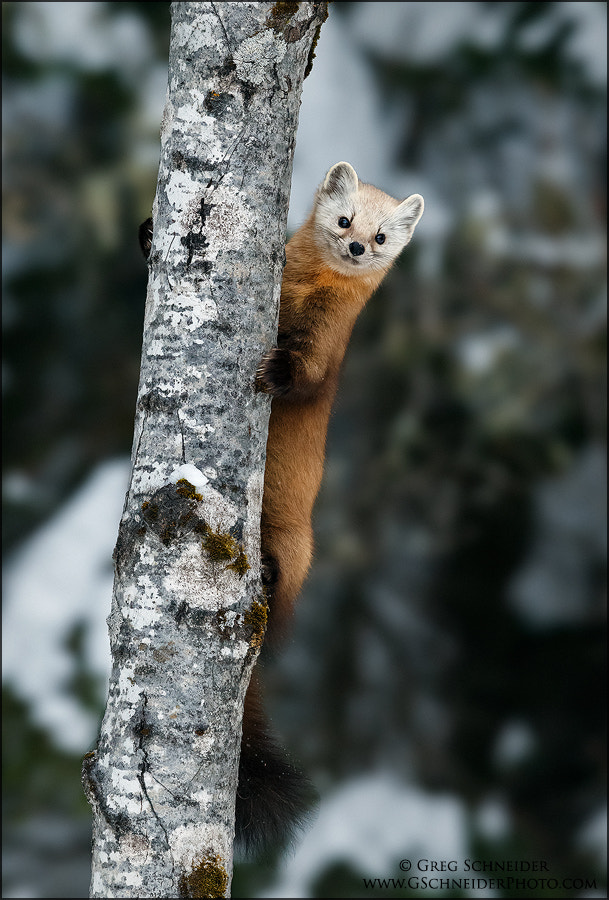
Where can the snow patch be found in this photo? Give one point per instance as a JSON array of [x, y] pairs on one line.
[[190, 473], [53, 32], [61, 576], [514, 744], [551, 586], [493, 820], [592, 837], [370, 824]]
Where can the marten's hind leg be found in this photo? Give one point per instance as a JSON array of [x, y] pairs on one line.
[[286, 557]]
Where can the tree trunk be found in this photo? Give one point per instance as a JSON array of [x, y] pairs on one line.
[[188, 611]]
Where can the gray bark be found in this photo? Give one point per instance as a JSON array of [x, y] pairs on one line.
[[187, 614]]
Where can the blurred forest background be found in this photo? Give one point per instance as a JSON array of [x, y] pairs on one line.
[[445, 681]]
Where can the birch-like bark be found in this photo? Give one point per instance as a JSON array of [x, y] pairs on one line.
[[187, 614]]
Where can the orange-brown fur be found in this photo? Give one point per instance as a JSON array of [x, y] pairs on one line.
[[320, 307]]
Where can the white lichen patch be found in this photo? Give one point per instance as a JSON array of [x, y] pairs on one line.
[[156, 348], [127, 795], [98, 885], [180, 186], [206, 33], [189, 580], [128, 686], [230, 618], [232, 216], [147, 558], [148, 481], [193, 424], [203, 798], [219, 512], [131, 879], [200, 374], [188, 311], [257, 54], [187, 842], [251, 528], [137, 846], [189, 113], [142, 603], [235, 651]]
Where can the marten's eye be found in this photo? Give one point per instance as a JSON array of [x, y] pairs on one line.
[[380, 238], [343, 222]]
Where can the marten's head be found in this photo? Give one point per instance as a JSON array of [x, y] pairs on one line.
[[359, 228]]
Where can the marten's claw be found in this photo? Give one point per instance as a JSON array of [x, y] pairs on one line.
[[269, 570], [145, 237]]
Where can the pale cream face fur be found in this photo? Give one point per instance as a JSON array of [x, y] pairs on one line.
[[370, 212]]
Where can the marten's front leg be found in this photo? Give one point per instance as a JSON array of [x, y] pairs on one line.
[[286, 557], [289, 373]]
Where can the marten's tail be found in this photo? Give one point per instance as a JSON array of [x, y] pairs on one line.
[[274, 799]]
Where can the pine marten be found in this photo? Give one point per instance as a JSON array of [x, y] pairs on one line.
[[334, 262]]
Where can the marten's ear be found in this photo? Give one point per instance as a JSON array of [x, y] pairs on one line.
[[341, 180], [408, 213]]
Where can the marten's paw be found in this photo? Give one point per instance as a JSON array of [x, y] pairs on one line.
[[274, 374], [269, 571]]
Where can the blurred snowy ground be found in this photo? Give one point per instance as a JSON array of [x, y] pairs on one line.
[[63, 575]]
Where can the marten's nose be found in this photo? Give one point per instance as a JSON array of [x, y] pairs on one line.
[[356, 249]]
